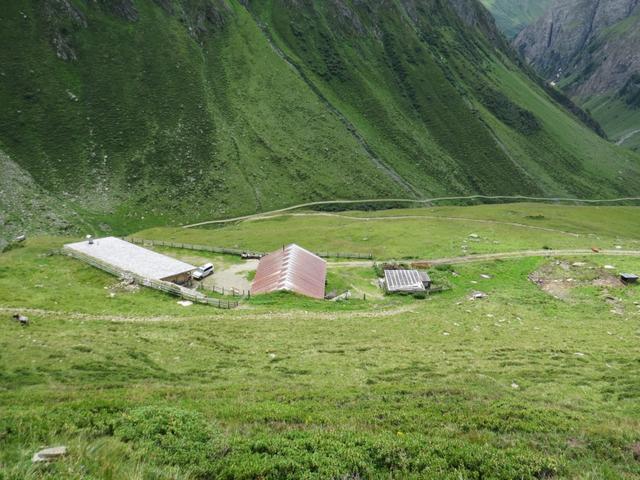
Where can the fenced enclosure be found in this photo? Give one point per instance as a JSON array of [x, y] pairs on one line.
[[237, 251], [232, 292], [167, 287]]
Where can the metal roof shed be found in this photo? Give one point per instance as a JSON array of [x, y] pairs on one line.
[[406, 281], [132, 258], [291, 269]]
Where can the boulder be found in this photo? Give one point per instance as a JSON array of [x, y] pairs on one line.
[[49, 454]]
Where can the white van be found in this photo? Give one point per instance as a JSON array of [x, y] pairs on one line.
[[203, 272]]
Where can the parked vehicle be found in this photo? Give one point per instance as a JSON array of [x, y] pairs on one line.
[[251, 255], [202, 272]]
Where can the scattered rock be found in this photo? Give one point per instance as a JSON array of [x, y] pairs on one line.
[[514, 385], [185, 303], [49, 454], [478, 296], [609, 267], [485, 276], [579, 354], [345, 296]]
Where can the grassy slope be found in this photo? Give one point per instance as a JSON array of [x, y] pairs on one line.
[[520, 385], [618, 119], [153, 124], [27, 207], [513, 15], [411, 97], [220, 124]]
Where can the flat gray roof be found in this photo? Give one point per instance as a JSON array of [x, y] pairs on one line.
[[132, 258], [404, 281]]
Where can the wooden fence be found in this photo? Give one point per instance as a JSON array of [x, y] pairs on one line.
[[236, 251], [161, 285], [232, 292]]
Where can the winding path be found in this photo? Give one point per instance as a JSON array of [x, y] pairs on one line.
[[238, 314], [627, 136], [412, 200], [487, 257]]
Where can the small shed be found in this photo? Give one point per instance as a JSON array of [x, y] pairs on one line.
[[406, 281], [628, 278], [140, 261], [291, 268]]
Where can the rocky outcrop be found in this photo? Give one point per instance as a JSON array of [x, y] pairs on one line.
[[63, 18], [591, 43], [124, 9]]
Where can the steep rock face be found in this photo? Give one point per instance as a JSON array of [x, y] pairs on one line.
[[514, 15], [591, 45]]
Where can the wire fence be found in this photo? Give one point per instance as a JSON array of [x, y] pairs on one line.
[[237, 251], [161, 285]]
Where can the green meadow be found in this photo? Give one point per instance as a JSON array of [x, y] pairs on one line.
[[427, 233], [537, 380]]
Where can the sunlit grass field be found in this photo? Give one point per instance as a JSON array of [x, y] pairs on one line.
[[428, 233], [519, 385]]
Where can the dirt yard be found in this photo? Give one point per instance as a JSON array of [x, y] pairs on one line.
[[232, 276]]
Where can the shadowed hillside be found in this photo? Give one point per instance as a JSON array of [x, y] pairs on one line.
[[139, 113]]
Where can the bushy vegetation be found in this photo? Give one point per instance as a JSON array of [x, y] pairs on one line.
[[508, 112]]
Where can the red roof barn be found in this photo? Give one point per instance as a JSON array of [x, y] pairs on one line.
[[291, 269]]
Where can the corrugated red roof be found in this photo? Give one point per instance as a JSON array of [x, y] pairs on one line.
[[291, 268]]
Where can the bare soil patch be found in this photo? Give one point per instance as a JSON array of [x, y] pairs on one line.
[[558, 278]]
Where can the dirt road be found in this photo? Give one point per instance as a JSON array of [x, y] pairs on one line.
[[422, 201], [487, 257]]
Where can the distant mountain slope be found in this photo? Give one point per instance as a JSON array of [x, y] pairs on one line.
[[27, 207], [590, 48], [514, 15], [149, 112]]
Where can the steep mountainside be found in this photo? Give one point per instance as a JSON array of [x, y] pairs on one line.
[[514, 15], [25, 206], [144, 112], [590, 48]]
